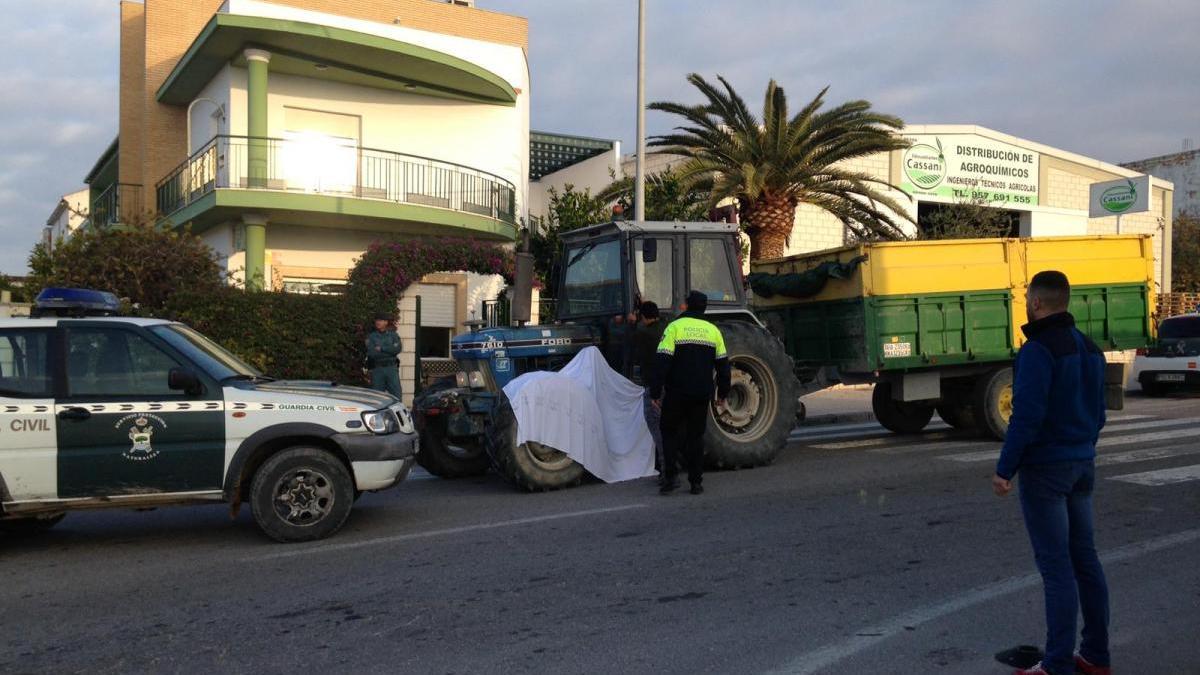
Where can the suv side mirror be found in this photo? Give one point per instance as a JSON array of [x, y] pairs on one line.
[[184, 380], [649, 250]]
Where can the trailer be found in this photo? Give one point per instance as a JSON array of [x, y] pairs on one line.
[[936, 325]]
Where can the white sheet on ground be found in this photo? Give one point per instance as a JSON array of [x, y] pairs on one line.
[[588, 411]]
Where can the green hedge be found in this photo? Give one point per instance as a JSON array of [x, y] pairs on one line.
[[288, 336]]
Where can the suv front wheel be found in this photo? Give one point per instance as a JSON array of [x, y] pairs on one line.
[[301, 494]]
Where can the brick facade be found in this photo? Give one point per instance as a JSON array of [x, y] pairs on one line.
[[155, 35]]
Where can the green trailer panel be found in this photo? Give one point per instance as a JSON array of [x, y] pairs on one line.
[[910, 332]]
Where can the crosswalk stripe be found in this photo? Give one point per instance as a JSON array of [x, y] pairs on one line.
[[825, 430], [1109, 442], [1146, 455], [885, 440], [969, 445], [858, 431], [1180, 474]]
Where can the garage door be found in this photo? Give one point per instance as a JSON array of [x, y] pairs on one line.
[[437, 305]]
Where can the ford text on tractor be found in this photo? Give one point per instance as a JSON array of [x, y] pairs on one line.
[[605, 270]]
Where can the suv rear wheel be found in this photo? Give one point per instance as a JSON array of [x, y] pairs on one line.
[[301, 494]]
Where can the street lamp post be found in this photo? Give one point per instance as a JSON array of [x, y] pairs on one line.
[[639, 181]]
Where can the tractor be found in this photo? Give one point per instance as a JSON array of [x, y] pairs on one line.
[[604, 272]]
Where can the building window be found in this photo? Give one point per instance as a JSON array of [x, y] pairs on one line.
[[435, 342], [314, 286], [320, 151]]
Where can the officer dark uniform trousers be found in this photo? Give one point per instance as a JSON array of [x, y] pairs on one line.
[[690, 350]]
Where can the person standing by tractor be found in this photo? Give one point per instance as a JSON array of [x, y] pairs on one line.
[[646, 337], [383, 348], [1058, 412], [690, 350]]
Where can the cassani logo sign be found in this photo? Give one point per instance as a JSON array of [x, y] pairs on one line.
[[925, 165], [1118, 198]]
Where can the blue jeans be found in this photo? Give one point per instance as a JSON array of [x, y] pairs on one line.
[[654, 421], [1056, 500]]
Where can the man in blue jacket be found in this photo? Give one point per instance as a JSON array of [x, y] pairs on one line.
[[1058, 411]]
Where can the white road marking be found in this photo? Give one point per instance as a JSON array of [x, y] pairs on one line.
[[836, 431], [419, 473], [296, 550], [827, 429], [885, 440], [1147, 455], [1180, 474], [1109, 442], [868, 637]]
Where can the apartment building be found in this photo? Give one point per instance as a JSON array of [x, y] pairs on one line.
[[290, 134]]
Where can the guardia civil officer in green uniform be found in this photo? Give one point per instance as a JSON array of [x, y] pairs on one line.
[[383, 347], [683, 385]]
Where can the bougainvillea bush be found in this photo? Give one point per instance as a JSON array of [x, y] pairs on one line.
[[174, 275]]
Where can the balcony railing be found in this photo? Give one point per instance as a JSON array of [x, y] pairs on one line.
[[318, 166], [120, 202]]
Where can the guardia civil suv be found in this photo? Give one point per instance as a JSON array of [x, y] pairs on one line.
[[102, 411]]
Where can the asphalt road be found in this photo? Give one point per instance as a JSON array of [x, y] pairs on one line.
[[857, 552]]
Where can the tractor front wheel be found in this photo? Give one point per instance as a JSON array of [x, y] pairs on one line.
[[532, 466]]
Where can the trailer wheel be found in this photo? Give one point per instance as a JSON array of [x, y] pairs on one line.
[[898, 416], [531, 466], [993, 401], [958, 414], [760, 411]]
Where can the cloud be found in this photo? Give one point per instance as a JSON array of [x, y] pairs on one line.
[[1115, 81]]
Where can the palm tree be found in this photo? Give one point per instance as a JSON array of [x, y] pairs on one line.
[[773, 164]]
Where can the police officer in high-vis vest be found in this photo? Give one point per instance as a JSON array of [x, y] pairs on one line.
[[690, 350], [383, 347]]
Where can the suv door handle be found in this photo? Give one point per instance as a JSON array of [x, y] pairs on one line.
[[75, 414]]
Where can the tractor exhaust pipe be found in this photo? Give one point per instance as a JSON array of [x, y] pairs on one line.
[[522, 295]]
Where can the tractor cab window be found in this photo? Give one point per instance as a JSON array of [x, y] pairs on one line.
[[592, 283], [710, 270], [655, 277]]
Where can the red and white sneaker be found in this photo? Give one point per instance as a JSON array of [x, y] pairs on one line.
[[1036, 670], [1086, 667]]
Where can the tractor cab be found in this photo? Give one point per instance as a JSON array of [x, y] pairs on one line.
[[608, 270]]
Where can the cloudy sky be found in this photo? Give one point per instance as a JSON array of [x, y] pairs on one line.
[[1113, 80]]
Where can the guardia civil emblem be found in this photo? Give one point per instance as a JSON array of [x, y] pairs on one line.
[[141, 435]]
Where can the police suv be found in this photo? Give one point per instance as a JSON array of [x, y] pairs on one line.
[[101, 411]]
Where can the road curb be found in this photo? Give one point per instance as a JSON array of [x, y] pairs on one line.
[[837, 418]]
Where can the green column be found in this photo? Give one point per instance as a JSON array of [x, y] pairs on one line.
[[257, 161], [256, 250]]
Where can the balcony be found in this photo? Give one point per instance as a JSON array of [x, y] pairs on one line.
[[118, 203], [318, 181]]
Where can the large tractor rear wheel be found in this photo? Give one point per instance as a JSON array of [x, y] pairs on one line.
[[531, 466], [760, 410]]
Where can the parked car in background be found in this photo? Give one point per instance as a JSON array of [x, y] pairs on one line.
[[1173, 364]]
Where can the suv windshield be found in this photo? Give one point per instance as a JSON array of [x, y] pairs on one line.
[[210, 356]]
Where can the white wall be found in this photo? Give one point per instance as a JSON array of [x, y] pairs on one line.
[[593, 173], [481, 287], [218, 90], [492, 138], [1053, 223]]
